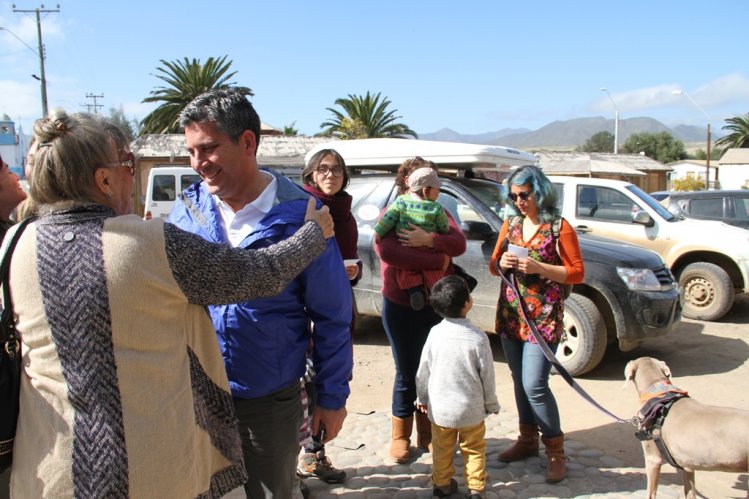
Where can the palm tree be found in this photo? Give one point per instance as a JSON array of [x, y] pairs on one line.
[[289, 130], [739, 136], [365, 117], [186, 79]]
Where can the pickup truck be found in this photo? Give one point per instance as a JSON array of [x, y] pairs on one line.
[[710, 259]]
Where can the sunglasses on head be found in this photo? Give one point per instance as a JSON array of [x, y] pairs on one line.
[[522, 195]]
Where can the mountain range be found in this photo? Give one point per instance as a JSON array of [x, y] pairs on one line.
[[567, 135]]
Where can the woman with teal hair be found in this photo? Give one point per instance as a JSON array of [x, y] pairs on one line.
[[549, 259]]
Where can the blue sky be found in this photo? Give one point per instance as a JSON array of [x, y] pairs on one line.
[[473, 66]]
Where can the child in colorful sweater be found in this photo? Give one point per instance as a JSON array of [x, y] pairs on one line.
[[418, 207]]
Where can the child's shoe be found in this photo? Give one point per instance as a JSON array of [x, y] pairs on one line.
[[447, 490]]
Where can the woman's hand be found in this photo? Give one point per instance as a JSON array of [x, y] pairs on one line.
[[321, 216], [508, 261], [529, 266], [415, 237], [352, 271]]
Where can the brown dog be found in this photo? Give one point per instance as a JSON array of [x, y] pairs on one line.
[[698, 436]]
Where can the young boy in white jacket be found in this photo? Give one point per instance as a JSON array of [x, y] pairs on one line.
[[455, 387]]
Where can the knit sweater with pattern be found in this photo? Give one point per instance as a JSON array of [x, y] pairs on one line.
[[456, 375]]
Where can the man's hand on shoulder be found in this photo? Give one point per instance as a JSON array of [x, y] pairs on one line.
[[330, 420]]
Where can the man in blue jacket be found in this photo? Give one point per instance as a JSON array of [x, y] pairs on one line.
[[265, 342]]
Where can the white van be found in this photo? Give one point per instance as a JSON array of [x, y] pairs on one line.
[[164, 183], [488, 161]]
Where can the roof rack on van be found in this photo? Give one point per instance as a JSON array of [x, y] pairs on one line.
[[389, 153]]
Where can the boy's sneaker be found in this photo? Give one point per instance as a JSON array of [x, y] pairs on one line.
[[416, 298], [447, 490], [318, 465], [476, 494]]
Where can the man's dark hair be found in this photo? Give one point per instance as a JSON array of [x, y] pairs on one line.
[[228, 108], [449, 295]]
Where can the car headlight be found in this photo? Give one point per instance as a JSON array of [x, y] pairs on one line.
[[639, 279]]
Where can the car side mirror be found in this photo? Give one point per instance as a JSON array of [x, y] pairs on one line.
[[475, 230], [641, 217]]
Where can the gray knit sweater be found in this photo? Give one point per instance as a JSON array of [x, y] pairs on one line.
[[456, 375]]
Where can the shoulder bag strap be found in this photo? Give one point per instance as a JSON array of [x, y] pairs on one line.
[[9, 338]]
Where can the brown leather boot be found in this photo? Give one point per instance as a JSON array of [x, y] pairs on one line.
[[402, 428], [424, 431], [556, 463], [525, 446]]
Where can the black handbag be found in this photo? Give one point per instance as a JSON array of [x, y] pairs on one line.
[[468, 278], [10, 361]]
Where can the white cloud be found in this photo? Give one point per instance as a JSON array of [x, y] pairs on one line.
[[722, 97], [25, 104]]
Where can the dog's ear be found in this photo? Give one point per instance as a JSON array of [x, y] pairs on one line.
[[629, 373], [664, 368]]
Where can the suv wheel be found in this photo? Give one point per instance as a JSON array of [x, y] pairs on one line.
[[708, 291], [584, 339]]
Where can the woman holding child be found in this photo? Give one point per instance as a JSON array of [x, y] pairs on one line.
[[407, 329], [553, 259]]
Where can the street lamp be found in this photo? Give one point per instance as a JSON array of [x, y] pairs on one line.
[[707, 152], [616, 121]]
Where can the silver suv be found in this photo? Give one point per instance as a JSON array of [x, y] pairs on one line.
[[628, 295], [730, 206]]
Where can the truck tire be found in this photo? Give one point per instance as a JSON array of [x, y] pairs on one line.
[[584, 339], [708, 291]]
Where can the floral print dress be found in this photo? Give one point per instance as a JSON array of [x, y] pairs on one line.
[[543, 299]]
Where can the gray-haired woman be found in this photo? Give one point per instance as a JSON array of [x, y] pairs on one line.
[[123, 390]]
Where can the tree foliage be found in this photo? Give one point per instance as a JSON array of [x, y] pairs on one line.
[[688, 184], [129, 126], [290, 130], [185, 79], [364, 117], [739, 136], [599, 142], [715, 154], [661, 146]]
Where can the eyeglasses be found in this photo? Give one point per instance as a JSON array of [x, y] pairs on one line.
[[324, 170], [129, 163], [522, 195]]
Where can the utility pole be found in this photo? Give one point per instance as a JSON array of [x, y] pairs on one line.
[[94, 105], [43, 79]]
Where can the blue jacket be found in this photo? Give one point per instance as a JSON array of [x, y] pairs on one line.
[[264, 342]]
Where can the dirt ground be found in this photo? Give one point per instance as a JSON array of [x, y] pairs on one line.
[[708, 359]]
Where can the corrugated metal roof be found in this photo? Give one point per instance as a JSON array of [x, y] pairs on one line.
[[273, 150]]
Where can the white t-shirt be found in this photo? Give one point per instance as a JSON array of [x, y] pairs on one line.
[[236, 226]]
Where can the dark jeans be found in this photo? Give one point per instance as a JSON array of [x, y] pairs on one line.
[[407, 331], [269, 428], [530, 376]]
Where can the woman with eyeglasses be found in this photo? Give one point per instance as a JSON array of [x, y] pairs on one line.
[[539, 251], [325, 176], [123, 389], [407, 329]]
